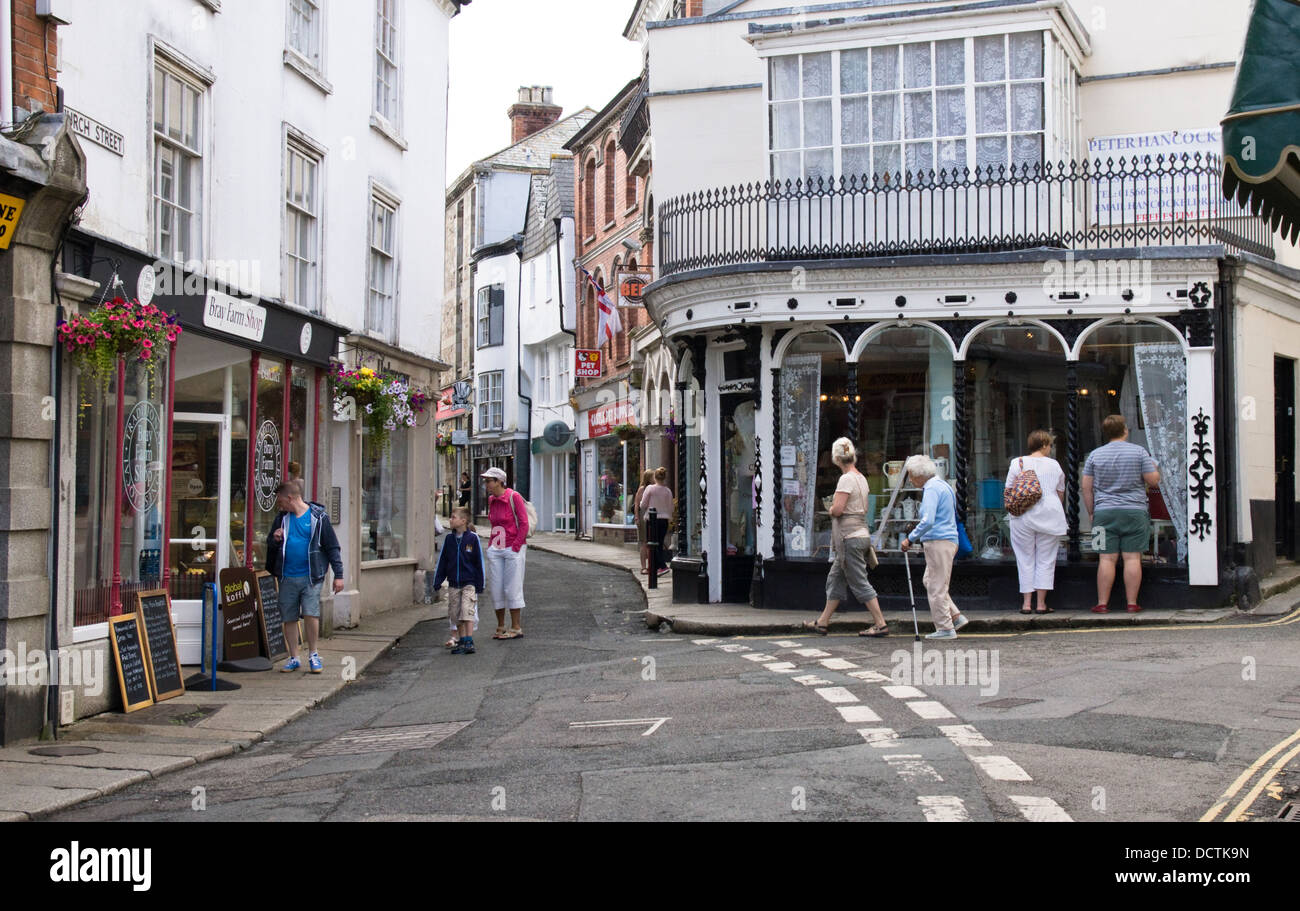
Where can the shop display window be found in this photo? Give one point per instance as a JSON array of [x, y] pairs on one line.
[[384, 500]]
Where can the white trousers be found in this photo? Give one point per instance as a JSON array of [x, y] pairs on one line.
[[505, 577], [1035, 557]]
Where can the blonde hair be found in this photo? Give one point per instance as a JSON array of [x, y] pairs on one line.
[[843, 453], [661, 475], [464, 512], [647, 478]]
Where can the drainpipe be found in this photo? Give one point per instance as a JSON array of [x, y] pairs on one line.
[[577, 452], [6, 61], [519, 375]]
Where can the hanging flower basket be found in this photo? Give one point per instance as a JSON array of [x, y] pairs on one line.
[[117, 329], [629, 432], [382, 402]]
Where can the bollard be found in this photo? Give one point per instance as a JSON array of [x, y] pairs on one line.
[[652, 544]]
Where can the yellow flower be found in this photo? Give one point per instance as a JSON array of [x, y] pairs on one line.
[[366, 371]]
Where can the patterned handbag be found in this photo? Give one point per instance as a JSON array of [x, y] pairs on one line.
[[1023, 493]]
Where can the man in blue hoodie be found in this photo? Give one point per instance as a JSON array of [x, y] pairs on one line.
[[300, 547]]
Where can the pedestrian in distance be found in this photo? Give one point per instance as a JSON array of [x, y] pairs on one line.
[[300, 548], [642, 545], [466, 488], [850, 545], [1036, 531], [658, 497], [937, 535], [507, 550], [1115, 481], [461, 566]]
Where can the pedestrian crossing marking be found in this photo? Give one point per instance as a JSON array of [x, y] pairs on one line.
[[880, 738], [911, 767], [930, 710], [836, 694], [1000, 768], [1040, 809], [904, 692], [837, 664], [943, 809], [965, 736], [811, 680], [781, 667], [857, 714]]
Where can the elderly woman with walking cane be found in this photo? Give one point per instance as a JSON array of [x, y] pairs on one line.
[[937, 534], [851, 543]]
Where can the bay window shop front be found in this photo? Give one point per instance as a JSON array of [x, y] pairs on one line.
[[175, 472], [967, 392]]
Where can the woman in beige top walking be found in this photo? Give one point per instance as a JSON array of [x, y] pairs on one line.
[[850, 541], [647, 478], [658, 497]]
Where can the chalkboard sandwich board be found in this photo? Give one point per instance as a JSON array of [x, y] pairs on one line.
[[268, 601], [155, 612], [239, 607], [129, 654]]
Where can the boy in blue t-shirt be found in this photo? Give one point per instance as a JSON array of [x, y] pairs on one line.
[[460, 564]]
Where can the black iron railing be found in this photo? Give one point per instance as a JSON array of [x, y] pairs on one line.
[[1151, 201], [636, 120]]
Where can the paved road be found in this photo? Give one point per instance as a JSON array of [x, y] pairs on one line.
[[1116, 724]]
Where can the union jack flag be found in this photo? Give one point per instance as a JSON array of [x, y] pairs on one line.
[[608, 322]]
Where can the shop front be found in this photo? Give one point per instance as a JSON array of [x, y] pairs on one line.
[[555, 478], [453, 436], [176, 466], [612, 459], [482, 456], [965, 386]]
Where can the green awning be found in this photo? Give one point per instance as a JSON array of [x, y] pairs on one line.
[[1261, 133]]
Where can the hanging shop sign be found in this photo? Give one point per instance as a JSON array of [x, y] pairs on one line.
[[631, 285], [601, 421], [11, 209], [266, 467], [450, 406], [586, 363], [142, 467], [460, 438]]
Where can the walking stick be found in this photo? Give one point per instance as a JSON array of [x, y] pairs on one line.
[[916, 627]]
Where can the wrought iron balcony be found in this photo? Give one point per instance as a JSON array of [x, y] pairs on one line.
[[1149, 201], [636, 120]]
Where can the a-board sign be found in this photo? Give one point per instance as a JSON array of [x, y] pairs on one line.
[[272, 624], [164, 665], [240, 637], [129, 659]]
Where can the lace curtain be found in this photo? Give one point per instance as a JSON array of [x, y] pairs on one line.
[[801, 377], [1162, 392]]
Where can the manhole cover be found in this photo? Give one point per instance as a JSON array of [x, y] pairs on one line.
[[64, 751], [606, 697], [387, 740], [1010, 702]]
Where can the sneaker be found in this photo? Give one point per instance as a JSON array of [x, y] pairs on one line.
[[315, 663], [1134, 609], [960, 622], [1101, 609], [943, 634], [292, 665], [664, 570], [464, 647]]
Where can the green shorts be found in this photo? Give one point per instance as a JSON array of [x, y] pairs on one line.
[[1126, 531]]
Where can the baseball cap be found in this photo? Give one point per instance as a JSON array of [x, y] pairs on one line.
[[497, 473]]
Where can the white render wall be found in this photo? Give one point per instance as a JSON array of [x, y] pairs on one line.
[[106, 73], [500, 270]]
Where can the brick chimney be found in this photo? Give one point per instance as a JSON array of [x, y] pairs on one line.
[[534, 111]]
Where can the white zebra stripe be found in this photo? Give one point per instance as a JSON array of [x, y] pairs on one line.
[[869, 676], [811, 680], [1040, 809], [857, 714], [912, 768], [836, 664], [781, 667], [904, 692], [836, 694], [929, 710], [943, 809], [1000, 768], [881, 738], [965, 736]]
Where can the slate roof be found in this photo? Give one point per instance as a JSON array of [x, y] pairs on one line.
[[551, 198]]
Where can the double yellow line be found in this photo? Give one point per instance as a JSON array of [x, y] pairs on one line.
[[1246, 802]]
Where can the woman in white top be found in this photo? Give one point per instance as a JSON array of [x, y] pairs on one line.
[[850, 541], [1035, 533]]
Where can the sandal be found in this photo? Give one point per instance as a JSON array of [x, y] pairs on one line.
[[500, 633], [511, 634], [1025, 610], [876, 632], [812, 627], [451, 643], [1046, 610]]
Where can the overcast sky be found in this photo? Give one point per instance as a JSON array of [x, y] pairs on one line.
[[575, 46]]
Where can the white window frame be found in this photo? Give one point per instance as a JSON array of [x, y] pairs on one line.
[[491, 400], [564, 380], [544, 376], [298, 144], [313, 56], [388, 108], [1060, 72], [170, 67], [386, 327]]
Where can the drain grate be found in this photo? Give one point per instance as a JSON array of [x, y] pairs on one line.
[[387, 740], [1010, 702], [1289, 813], [65, 751]]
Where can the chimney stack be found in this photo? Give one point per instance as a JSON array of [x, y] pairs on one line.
[[534, 111]]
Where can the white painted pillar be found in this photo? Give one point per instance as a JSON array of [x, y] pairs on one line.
[[711, 441], [1202, 480]]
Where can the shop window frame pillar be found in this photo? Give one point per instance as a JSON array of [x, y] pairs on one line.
[[256, 362], [115, 590], [961, 435], [1072, 457]]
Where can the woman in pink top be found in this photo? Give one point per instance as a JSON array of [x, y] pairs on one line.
[[659, 498], [507, 549]]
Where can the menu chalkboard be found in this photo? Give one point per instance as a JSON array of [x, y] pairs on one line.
[[164, 665], [129, 654], [268, 600], [239, 608]]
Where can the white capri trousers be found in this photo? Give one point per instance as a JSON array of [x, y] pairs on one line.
[[505, 577], [1035, 557]]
